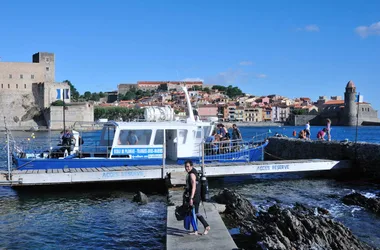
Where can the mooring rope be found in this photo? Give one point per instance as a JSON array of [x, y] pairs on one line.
[[274, 156]]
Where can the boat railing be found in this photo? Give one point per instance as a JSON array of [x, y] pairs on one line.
[[261, 137], [33, 146], [230, 150]]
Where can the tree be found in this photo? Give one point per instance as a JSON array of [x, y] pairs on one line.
[[101, 94], [300, 112], [233, 92], [219, 87], [74, 94], [129, 96], [196, 88], [115, 113], [163, 87], [87, 95], [207, 90], [95, 97]]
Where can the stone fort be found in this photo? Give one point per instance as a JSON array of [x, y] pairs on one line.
[[27, 90], [348, 112]]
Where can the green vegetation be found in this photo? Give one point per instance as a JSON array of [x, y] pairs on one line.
[[135, 94], [57, 103], [74, 94], [300, 112], [88, 96], [232, 92], [115, 113]]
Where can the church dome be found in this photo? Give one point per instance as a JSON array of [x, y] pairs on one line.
[[350, 85]]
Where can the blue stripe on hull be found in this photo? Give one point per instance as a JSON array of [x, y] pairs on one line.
[[82, 163]]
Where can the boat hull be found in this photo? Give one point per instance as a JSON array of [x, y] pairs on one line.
[[245, 155], [31, 164]]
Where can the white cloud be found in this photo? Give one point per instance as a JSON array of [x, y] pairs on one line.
[[225, 78], [309, 28], [196, 79], [245, 63], [365, 31], [261, 75]]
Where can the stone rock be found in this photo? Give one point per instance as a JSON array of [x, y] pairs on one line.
[[372, 204], [237, 207], [300, 227], [140, 198]]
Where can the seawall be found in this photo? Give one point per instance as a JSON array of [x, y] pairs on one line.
[[365, 157]]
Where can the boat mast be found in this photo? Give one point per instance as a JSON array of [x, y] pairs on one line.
[[189, 108]]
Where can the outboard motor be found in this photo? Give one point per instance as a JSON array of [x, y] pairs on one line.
[[204, 188]]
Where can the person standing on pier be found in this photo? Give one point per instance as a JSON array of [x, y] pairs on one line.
[[328, 129], [307, 129], [193, 192]]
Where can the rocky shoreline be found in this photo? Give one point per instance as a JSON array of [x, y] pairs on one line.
[[299, 227], [371, 204]]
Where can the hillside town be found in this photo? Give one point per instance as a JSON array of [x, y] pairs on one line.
[[213, 103], [31, 97]]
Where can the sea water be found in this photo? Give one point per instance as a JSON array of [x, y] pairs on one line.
[[100, 218]]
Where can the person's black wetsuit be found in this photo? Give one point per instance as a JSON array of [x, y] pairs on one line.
[[197, 195]]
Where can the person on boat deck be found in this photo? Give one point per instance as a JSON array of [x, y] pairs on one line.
[[61, 138], [222, 130], [132, 138], [208, 143], [321, 134], [67, 137], [236, 136], [193, 195]]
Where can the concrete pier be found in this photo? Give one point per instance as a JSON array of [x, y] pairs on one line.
[[135, 173], [178, 238]]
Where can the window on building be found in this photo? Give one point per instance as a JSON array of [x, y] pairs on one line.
[[10, 76], [47, 59], [47, 68], [2, 85], [24, 86], [16, 86], [362, 109], [9, 86], [32, 76], [21, 76]]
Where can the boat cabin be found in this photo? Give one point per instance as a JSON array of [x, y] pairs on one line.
[[146, 140]]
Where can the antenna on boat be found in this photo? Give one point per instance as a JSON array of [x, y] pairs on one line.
[[189, 108]]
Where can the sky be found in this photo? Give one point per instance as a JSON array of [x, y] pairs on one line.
[[289, 48]]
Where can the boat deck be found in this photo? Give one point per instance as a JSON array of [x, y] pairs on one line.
[[174, 171]]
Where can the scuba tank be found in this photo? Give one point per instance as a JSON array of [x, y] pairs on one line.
[[204, 188]]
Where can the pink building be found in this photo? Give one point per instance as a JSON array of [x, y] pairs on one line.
[[207, 111]]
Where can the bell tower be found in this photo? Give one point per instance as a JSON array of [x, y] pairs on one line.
[[350, 109]]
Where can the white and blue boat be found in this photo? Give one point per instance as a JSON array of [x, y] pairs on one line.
[[157, 140]]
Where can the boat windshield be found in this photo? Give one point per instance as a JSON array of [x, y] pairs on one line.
[[108, 133], [134, 137]]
